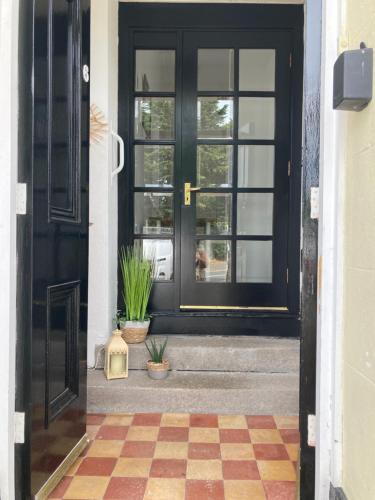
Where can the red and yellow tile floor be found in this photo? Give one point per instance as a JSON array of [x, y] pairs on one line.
[[185, 457]]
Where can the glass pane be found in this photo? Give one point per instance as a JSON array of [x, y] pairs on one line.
[[154, 118], [214, 213], [155, 71], [161, 252], [154, 166], [255, 213], [214, 165], [254, 262], [215, 117], [256, 118], [153, 213], [212, 261], [256, 166], [215, 69], [257, 69]]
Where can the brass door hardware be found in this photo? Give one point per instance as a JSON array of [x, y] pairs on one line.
[[187, 192]]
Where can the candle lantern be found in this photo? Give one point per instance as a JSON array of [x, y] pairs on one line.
[[116, 357]]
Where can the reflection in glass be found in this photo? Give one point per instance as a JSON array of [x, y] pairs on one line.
[[212, 261], [215, 69], [256, 118], [215, 117], [257, 69], [256, 166], [254, 214], [214, 213], [154, 166], [155, 70], [153, 213], [154, 118], [161, 253], [254, 262], [214, 165]]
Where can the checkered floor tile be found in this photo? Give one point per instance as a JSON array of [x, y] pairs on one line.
[[185, 457]]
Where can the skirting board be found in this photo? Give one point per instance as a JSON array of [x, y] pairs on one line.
[[336, 493]]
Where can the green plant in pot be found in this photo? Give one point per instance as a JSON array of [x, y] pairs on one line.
[[157, 366], [137, 274]]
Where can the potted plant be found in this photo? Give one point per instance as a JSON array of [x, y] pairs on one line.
[[157, 366], [137, 273]]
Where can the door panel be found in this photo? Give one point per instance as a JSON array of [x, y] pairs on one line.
[[236, 111], [208, 112], [60, 234]]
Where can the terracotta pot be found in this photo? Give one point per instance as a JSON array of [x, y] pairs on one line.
[[158, 371], [134, 332]]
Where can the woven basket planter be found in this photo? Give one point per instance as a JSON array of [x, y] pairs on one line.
[[158, 371], [135, 332]]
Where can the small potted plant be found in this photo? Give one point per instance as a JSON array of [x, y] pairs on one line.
[[157, 366], [137, 273]]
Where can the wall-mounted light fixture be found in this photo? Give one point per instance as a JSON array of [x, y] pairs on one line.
[[352, 79]]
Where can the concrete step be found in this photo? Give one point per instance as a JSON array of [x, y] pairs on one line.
[[215, 353], [196, 392]]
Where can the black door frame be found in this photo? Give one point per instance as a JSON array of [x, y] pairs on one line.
[[167, 18], [310, 162]]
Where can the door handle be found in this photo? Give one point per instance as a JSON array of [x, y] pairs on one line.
[[121, 162], [187, 192]]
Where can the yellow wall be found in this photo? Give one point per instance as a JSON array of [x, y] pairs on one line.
[[359, 280]]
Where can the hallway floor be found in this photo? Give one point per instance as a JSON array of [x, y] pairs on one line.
[[185, 457]]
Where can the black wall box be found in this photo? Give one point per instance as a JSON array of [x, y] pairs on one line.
[[352, 79]]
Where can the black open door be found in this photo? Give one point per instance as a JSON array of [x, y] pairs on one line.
[[53, 294]]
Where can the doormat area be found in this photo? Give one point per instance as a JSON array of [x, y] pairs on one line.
[[185, 457]]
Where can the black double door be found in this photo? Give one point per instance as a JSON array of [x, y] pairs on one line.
[[208, 192]]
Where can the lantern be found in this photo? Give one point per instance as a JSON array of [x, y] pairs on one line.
[[116, 357]]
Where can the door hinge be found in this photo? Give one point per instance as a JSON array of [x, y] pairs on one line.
[[19, 427], [21, 198], [289, 168], [311, 430], [314, 203], [290, 60]]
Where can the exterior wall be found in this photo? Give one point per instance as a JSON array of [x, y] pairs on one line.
[[359, 279], [8, 169], [103, 191]]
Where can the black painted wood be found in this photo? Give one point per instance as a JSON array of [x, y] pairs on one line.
[[52, 240], [310, 163], [170, 26]]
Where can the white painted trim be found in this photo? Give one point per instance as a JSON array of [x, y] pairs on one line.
[[330, 295], [8, 169]]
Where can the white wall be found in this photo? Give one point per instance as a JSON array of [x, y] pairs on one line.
[[103, 193], [8, 172], [330, 289]]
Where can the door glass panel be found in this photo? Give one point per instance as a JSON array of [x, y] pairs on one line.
[[257, 69], [215, 117], [215, 69], [214, 165], [153, 213], [154, 118], [212, 261], [155, 70], [214, 213], [154, 166], [256, 118], [161, 253], [254, 262], [256, 166], [254, 214]]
